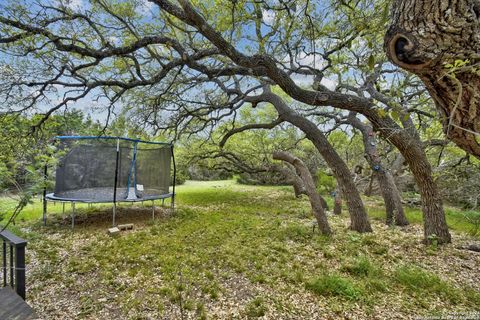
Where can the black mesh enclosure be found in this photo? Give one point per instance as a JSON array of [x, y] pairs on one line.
[[87, 167], [153, 170]]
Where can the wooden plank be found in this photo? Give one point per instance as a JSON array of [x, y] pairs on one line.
[[13, 307]]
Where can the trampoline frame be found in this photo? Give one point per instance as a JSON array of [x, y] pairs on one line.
[[51, 196]]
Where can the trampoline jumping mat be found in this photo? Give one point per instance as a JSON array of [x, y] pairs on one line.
[[98, 195]]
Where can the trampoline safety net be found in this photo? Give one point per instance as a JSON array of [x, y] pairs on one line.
[[87, 168]]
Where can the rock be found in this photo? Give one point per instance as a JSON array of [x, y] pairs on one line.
[[128, 226], [113, 231]]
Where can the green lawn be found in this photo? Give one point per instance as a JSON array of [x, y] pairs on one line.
[[234, 251]]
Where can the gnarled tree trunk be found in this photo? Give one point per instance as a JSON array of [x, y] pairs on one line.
[[435, 224], [337, 207], [313, 196], [392, 199], [358, 215], [439, 40], [293, 179], [391, 196]]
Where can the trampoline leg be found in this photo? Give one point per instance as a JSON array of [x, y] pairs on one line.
[[45, 212], [114, 213], [63, 208], [163, 202], [73, 215], [153, 210]]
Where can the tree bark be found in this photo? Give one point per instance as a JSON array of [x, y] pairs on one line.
[[299, 185], [298, 189], [439, 41], [397, 165], [390, 194], [337, 209], [358, 215], [435, 224], [369, 189], [293, 179], [313, 196], [392, 199]]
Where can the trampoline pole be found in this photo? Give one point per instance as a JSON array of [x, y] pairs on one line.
[[153, 209], [114, 212], [115, 183], [174, 178], [73, 215], [45, 195]]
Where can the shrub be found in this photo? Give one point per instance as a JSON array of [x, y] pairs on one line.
[[180, 177], [325, 182]]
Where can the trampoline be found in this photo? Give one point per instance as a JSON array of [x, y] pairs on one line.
[[111, 170]]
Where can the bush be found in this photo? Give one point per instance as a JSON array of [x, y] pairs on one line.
[[261, 178], [325, 182], [180, 177], [460, 185], [202, 172]]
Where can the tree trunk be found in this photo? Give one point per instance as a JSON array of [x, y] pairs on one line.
[[298, 189], [435, 224], [391, 196], [297, 183], [293, 179], [369, 189], [392, 199], [358, 215], [439, 40], [313, 196], [397, 165], [337, 209]]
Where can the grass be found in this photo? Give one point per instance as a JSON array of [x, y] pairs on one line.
[[361, 267], [235, 251], [335, 285], [467, 221], [255, 308]]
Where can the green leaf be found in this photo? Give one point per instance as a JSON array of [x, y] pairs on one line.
[[371, 62], [395, 115], [382, 113]]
